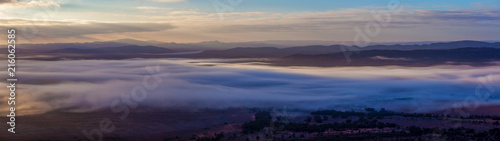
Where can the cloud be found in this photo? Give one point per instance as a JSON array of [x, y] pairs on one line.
[[391, 59], [148, 8], [6, 1], [458, 15], [64, 29], [192, 12], [198, 25], [88, 85], [168, 0], [10, 4], [347, 19]]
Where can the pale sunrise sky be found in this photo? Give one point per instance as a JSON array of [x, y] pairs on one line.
[[53, 21]]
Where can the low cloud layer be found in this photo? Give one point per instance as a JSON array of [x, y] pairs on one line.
[[84, 86]]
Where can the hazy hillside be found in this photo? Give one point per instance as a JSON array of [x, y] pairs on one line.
[[122, 49], [442, 45], [469, 56], [266, 52]]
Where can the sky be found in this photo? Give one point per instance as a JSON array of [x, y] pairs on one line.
[[361, 21]]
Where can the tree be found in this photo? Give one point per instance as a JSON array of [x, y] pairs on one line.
[[262, 119], [318, 119], [308, 119], [369, 109]]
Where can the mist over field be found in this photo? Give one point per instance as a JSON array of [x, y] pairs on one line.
[[91, 85], [281, 70]]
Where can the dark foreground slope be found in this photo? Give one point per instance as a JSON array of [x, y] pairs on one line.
[[256, 124]]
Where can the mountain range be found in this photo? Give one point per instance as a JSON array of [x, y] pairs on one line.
[[462, 56], [266, 52], [109, 50], [217, 45], [461, 52]]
